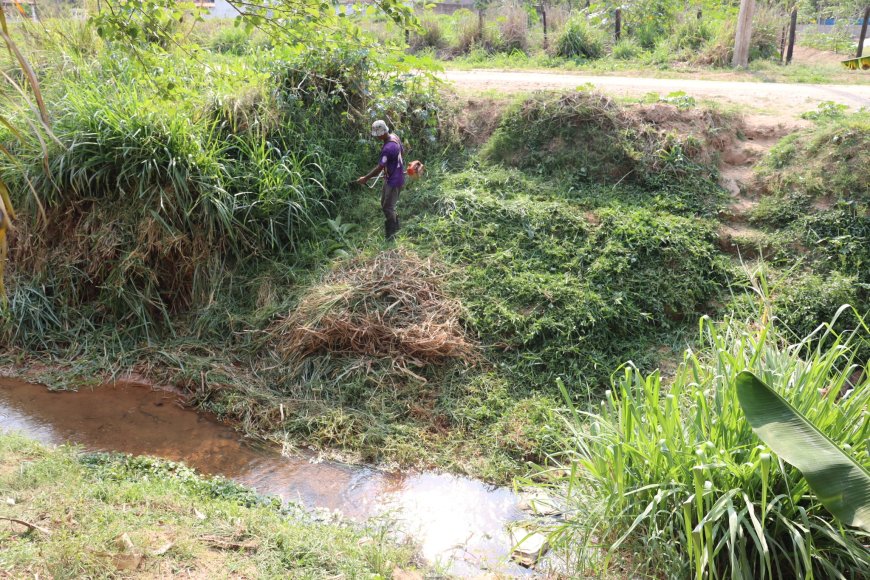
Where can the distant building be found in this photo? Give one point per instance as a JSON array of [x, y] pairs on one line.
[[13, 10]]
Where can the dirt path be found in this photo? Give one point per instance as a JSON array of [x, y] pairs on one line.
[[774, 99]]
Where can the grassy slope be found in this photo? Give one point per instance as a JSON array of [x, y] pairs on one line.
[[181, 523], [568, 264]]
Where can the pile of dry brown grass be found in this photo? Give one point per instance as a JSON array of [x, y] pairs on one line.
[[391, 306]]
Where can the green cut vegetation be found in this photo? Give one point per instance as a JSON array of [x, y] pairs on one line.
[[73, 515]]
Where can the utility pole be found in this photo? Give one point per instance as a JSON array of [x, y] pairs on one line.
[[863, 33], [744, 33], [791, 33]]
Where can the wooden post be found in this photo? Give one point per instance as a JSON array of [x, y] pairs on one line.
[[744, 33], [480, 23], [618, 30], [863, 36], [791, 34], [407, 37], [544, 22], [700, 13], [782, 37]]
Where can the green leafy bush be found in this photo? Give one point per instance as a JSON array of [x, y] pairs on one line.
[[626, 49], [580, 39], [432, 33], [232, 40], [686, 485]]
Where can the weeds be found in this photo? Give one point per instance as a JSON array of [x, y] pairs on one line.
[[687, 484], [88, 501]]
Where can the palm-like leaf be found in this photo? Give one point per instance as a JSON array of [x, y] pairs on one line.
[[839, 482]]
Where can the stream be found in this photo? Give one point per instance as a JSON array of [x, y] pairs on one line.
[[458, 522]]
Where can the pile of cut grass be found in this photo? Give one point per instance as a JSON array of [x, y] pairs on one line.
[[389, 307]]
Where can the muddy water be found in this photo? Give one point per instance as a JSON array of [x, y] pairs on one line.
[[457, 521]]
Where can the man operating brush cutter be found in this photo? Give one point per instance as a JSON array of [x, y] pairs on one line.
[[392, 166]]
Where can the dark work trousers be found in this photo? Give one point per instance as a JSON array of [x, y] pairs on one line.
[[389, 198]]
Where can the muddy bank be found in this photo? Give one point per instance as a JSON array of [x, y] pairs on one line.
[[457, 521]]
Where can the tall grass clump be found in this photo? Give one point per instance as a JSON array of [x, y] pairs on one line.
[[513, 27], [431, 34], [626, 49], [580, 39], [468, 32], [232, 40], [685, 483]]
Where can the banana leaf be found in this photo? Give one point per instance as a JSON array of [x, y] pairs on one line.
[[840, 483]]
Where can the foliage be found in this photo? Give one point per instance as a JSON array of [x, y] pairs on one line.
[[586, 136], [841, 484], [563, 291], [626, 49], [580, 39], [26, 97], [825, 161], [767, 25], [826, 111], [682, 479]]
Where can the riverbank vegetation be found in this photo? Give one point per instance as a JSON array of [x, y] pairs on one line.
[[191, 219], [70, 515], [670, 470]]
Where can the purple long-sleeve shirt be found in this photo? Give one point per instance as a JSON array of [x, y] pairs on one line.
[[392, 162]]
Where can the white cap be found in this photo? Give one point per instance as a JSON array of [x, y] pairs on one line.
[[379, 128]]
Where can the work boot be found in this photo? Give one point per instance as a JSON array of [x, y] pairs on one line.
[[391, 227]]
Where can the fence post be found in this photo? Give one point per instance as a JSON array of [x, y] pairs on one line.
[[863, 36], [618, 24], [791, 34], [544, 22], [782, 36], [480, 23], [744, 33]]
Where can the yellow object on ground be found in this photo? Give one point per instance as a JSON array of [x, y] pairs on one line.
[[862, 63]]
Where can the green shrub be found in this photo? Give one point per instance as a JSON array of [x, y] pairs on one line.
[[626, 49], [432, 35], [675, 476], [764, 44], [468, 32], [801, 301], [232, 40], [828, 160], [691, 34], [579, 39], [585, 136]]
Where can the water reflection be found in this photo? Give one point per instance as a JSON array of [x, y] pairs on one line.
[[457, 521]]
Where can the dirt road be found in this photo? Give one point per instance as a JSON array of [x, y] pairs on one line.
[[775, 99]]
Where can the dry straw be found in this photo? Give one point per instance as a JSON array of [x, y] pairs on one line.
[[390, 306]]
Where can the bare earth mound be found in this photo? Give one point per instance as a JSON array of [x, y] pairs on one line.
[[391, 306]]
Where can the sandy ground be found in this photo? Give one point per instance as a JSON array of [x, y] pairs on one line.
[[774, 99]]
